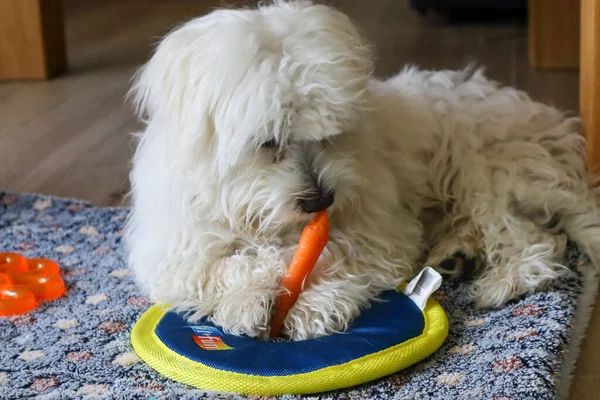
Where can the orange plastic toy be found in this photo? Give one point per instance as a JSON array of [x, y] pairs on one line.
[[26, 282], [312, 242]]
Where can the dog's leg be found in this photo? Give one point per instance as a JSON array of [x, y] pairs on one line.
[[235, 291], [328, 305], [352, 272], [521, 257], [247, 288], [332, 301], [524, 245], [525, 228]]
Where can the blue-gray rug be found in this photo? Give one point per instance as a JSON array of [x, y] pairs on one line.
[[78, 346]]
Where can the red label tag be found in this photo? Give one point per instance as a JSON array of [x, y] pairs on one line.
[[210, 342]]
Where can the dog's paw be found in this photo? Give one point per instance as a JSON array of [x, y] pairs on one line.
[[304, 324], [455, 257], [246, 312], [456, 265], [320, 313], [457, 251], [494, 290]]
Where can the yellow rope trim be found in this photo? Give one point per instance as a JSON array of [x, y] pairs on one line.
[[370, 367]]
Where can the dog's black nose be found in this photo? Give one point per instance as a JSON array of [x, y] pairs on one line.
[[316, 204]]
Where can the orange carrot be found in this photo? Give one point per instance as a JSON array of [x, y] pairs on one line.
[[312, 242]]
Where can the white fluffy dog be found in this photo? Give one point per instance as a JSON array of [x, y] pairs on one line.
[[258, 118]]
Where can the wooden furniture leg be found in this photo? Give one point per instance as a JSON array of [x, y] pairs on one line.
[[589, 76], [554, 33], [586, 378], [32, 41]]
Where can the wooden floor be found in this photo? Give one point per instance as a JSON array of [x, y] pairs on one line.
[[71, 136]]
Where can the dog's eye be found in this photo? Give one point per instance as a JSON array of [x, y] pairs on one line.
[[271, 144]]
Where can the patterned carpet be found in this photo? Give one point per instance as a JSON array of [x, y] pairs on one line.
[[78, 346]]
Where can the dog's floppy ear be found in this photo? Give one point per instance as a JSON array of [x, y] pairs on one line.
[[211, 80], [161, 85]]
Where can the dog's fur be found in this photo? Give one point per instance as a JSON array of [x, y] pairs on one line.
[[249, 112]]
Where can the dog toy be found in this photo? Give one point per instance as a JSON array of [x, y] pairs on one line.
[[395, 333], [312, 242], [26, 282]]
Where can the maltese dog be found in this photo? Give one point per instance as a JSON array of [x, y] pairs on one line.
[[258, 118]]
